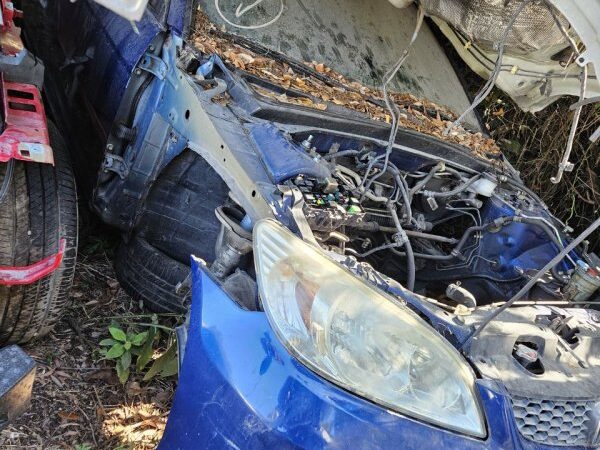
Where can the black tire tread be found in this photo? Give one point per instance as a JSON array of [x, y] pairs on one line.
[[147, 274], [43, 199]]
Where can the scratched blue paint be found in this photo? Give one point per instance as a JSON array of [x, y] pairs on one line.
[[240, 388]]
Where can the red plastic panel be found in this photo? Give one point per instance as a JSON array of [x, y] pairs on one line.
[[11, 276], [25, 134]]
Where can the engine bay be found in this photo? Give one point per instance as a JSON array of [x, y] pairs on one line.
[[448, 233]]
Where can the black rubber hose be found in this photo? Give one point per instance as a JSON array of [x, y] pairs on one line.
[[10, 167], [411, 273], [402, 186], [425, 256], [430, 237], [374, 227], [498, 222], [410, 256], [467, 234], [331, 156], [417, 187]]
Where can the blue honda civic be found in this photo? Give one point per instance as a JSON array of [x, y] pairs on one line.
[[367, 269]]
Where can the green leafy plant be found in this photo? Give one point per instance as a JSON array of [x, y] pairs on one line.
[[124, 347], [83, 447], [166, 365]]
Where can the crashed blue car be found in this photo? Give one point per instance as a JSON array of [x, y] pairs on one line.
[[354, 283]]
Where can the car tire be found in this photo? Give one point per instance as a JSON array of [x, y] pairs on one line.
[[38, 210], [179, 217], [150, 276]]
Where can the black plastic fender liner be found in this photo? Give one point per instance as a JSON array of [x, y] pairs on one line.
[[179, 215]]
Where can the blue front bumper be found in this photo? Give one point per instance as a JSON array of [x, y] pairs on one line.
[[240, 388]]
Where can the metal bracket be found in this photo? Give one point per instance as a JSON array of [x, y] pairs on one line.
[[212, 88], [154, 65], [114, 163]]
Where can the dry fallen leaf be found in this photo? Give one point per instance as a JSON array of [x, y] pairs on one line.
[[69, 416], [499, 113], [421, 115]]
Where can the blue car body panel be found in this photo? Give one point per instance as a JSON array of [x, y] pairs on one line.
[[240, 388], [114, 47], [289, 160]]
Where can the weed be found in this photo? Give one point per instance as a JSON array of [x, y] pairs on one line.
[[125, 345]]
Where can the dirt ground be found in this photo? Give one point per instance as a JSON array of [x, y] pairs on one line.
[[78, 402]]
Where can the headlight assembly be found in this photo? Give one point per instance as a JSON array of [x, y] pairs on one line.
[[358, 338]]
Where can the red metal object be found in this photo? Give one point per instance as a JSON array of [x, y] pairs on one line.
[[10, 35], [11, 276], [25, 134]]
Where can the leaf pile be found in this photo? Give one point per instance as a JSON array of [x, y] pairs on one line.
[[324, 87]]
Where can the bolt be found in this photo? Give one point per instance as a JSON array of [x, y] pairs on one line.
[[138, 71], [109, 147]]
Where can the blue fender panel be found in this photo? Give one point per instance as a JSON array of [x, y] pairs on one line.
[[113, 45]]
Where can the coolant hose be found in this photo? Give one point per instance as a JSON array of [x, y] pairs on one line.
[[330, 156], [417, 187], [411, 271], [423, 255], [467, 235], [454, 191], [410, 256]]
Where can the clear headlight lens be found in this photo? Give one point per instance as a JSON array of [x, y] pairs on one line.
[[358, 338]]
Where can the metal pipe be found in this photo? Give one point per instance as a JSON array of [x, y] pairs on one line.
[[454, 191]]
